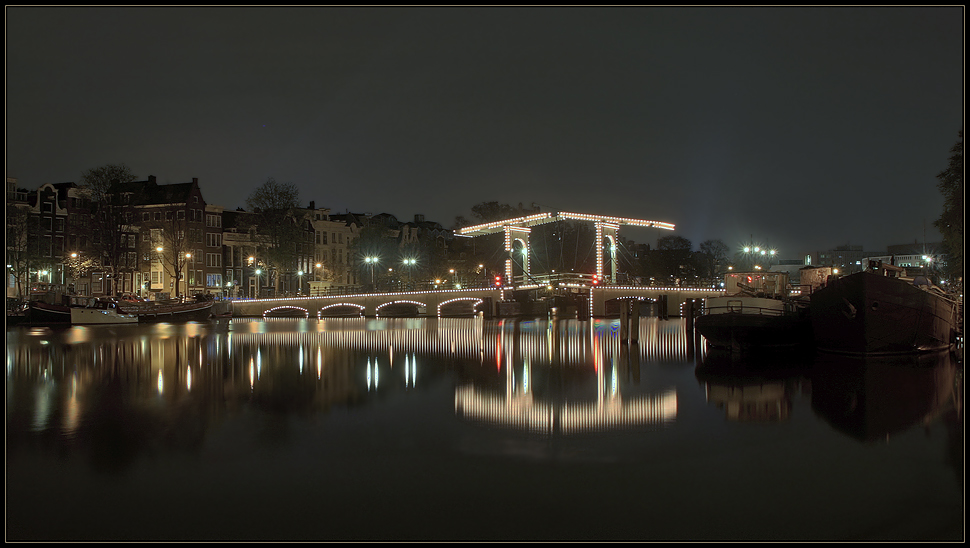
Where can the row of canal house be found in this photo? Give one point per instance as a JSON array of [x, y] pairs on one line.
[[174, 243]]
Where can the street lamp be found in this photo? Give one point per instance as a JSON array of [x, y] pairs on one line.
[[258, 272], [372, 261], [299, 274], [409, 263], [187, 257]]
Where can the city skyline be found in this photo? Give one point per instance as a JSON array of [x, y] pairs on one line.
[[799, 128]]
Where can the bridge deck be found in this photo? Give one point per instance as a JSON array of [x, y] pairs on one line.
[[432, 302]]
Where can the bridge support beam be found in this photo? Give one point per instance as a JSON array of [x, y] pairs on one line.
[[513, 233], [608, 231]]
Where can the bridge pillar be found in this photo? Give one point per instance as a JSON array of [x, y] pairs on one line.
[[513, 233], [608, 231]]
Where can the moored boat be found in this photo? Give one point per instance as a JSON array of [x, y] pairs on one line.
[[38, 312], [153, 311], [757, 311], [879, 311], [102, 311]]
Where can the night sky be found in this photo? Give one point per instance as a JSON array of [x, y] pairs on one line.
[[805, 128]]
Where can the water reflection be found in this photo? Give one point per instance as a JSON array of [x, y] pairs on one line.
[[134, 386], [167, 383], [874, 398]]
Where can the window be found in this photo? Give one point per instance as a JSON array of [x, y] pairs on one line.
[[213, 221], [213, 280], [181, 215], [146, 216], [213, 260], [97, 282], [131, 241], [158, 215], [213, 239], [168, 215]]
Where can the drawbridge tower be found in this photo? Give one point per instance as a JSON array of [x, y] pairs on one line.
[[518, 229]]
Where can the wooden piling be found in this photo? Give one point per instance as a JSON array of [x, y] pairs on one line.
[[635, 323], [624, 321]]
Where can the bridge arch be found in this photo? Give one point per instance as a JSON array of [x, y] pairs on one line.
[[475, 302], [285, 310], [418, 305], [334, 306]]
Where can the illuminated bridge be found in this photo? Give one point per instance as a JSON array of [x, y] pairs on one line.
[[588, 292], [462, 302]]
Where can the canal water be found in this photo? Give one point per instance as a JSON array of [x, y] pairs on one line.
[[469, 429]]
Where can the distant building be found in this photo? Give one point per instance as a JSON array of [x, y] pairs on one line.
[[847, 258]]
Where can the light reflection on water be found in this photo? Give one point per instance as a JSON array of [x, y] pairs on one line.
[[321, 395]]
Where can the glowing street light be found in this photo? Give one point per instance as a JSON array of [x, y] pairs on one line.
[[372, 262], [300, 279]]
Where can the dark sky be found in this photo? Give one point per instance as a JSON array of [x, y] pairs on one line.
[[805, 128]]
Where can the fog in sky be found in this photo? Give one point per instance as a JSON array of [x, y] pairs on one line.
[[802, 128]]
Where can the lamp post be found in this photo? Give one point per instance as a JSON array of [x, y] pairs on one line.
[[161, 261], [315, 276], [372, 261], [258, 272], [409, 264], [182, 264], [299, 290]]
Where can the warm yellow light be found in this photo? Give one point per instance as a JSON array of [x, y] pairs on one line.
[[158, 249]]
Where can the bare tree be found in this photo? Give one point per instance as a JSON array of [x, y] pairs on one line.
[[951, 220], [715, 255], [279, 225], [22, 253], [112, 208], [176, 252]]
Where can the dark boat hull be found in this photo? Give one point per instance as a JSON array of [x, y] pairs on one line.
[[867, 313], [179, 312], [737, 331], [44, 313]]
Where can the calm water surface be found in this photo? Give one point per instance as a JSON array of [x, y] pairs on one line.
[[467, 429]]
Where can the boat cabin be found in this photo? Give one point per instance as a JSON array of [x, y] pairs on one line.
[[766, 284]]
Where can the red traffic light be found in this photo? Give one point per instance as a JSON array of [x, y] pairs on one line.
[[498, 280]]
